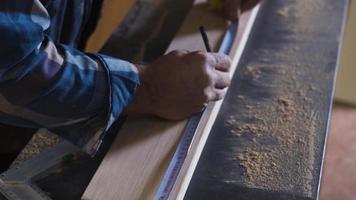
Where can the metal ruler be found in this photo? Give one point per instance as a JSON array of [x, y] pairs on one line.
[[184, 144]]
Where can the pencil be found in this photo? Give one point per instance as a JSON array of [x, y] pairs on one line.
[[205, 38]]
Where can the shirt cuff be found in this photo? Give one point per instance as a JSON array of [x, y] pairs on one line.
[[122, 80]]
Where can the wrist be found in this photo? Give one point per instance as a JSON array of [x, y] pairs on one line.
[[142, 101]]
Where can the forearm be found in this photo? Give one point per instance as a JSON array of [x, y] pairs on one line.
[[77, 95]]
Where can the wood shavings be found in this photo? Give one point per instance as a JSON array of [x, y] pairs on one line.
[[40, 141], [277, 129], [279, 136], [253, 71], [283, 12]]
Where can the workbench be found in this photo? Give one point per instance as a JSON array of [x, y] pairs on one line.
[[269, 137]]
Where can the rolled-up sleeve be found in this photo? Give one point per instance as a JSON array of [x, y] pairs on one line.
[[74, 94]]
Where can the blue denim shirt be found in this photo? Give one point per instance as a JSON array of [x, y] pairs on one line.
[[45, 81]]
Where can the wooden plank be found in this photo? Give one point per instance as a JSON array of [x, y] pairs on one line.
[[345, 91], [136, 162], [113, 13], [137, 159], [211, 112]]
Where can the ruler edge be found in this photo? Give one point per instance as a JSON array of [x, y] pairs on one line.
[[186, 173]]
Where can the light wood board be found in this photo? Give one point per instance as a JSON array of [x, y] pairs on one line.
[[211, 112], [112, 14], [140, 154], [346, 79]]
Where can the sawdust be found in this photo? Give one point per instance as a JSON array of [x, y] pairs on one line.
[[40, 141], [302, 12], [254, 72], [285, 163], [278, 123], [283, 12], [279, 140]]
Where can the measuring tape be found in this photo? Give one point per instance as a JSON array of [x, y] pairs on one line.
[[184, 144]]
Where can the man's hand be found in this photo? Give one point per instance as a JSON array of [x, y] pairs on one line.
[[233, 8], [180, 84]]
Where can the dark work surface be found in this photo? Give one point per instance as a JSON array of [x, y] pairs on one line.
[[268, 140]]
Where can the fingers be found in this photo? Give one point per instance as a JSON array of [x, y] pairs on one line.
[[221, 79], [215, 76], [217, 67], [214, 94], [218, 94], [219, 61], [217, 89], [221, 67]]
